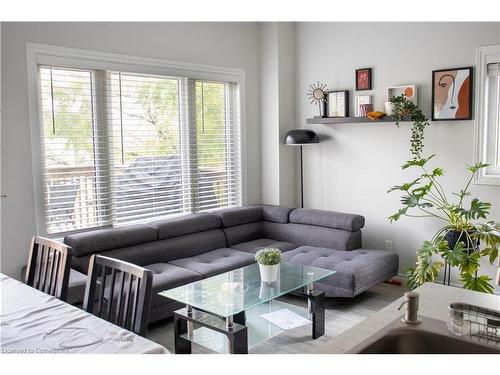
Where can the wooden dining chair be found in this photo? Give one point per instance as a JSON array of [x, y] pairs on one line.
[[48, 267], [119, 292]]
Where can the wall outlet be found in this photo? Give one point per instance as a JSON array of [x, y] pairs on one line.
[[388, 245]]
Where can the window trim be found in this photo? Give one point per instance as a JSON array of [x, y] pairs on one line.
[[483, 56], [37, 53]]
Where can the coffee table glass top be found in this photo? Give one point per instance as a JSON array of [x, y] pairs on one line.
[[235, 291]]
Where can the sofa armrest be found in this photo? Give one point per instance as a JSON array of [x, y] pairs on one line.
[[328, 219]]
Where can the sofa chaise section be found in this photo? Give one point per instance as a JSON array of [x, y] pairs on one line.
[[320, 238], [356, 270]]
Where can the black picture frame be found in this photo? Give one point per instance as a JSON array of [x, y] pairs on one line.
[[370, 79], [470, 93], [346, 102]]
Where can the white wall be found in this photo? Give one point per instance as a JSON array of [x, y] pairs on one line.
[[287, 73], [277, 67], [269, 115], [355, 164], [233, 45]]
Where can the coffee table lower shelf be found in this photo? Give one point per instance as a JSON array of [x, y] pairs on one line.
[[249, 328]]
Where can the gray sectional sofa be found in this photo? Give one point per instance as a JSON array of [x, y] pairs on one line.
[[195, 246]]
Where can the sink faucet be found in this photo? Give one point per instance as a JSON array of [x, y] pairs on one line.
[[411, 315]]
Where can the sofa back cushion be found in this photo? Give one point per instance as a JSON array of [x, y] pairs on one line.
[[240, 215], [161, 251], [276, 214], [328, 219], [100, 240], [311, 235], [243, 233], [186, 224]]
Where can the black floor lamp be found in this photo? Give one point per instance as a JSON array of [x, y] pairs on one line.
[[301, 137]]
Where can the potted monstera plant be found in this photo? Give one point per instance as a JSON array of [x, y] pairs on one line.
[[269, 260], [466, 236]]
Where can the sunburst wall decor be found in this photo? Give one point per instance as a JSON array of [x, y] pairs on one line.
[[317, 94]]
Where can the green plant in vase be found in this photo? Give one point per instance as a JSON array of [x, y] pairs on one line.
[[466, 235]]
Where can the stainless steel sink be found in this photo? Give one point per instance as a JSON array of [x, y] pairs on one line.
[[431, 337]]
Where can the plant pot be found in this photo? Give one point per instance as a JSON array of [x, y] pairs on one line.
[[453, 237], [269, 274]]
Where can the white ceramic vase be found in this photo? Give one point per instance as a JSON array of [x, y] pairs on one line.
[[269, 274]]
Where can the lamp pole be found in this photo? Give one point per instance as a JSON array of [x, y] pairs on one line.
[[300, 137]]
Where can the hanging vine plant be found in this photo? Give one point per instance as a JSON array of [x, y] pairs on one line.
[[463, 240], [402, 107]]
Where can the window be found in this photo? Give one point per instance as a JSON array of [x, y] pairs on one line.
[[488, 116], [120, 147]]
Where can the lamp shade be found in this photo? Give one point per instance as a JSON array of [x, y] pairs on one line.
[[300, 137]]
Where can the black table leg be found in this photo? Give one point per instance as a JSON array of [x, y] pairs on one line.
[[240, 318], [236, 333], [238, 341], [317, 306], [182, 346]]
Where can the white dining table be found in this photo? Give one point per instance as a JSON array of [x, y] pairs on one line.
[[34, 322]]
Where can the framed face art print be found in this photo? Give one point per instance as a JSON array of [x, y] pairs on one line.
[[452, 94]]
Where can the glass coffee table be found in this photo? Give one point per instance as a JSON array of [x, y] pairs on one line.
[[224, 312]]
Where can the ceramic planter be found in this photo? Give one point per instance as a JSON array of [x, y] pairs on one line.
[[269, 274], [452, 237]]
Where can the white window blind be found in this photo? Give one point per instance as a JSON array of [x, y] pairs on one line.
[[487, 114], [493, 116], [124, 147]]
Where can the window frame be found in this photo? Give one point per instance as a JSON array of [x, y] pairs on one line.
[[41, 54], [483, 128]]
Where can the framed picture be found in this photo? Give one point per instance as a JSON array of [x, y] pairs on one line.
[[410, 91], [452, 94], [363, 79], [338, 103], [360, 100]]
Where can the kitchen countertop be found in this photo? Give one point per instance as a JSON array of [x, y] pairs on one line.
[[434, 302]]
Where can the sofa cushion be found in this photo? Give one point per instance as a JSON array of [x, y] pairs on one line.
[[256, 245], [356, 270], [167, 276], [329, 219], [185, 224], [76, 287], [276, 214], [243, 233], [240, 215], [97, 241], [215, 261], [161, 251], [310, 235]]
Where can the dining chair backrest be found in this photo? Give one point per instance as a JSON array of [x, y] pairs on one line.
[[48, 267], [119, 292]]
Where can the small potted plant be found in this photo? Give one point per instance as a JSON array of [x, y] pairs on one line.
[[269, 260]]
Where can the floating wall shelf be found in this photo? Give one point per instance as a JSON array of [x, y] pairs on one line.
[[350, 120]]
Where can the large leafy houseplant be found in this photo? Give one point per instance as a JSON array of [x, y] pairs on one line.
[[464, 239]]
